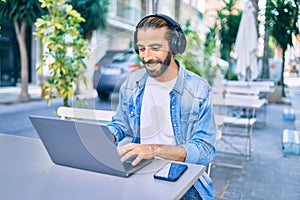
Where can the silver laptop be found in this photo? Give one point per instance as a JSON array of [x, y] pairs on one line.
[[82, 145]]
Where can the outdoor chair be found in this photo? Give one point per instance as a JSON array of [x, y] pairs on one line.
[[243, 93], [238, 121], [86, 114]]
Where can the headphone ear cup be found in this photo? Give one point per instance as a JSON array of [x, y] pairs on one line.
[[181, 43], [178, 43], [173, 45]]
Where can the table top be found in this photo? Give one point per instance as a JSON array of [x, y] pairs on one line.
[[262, 86], [231, 89], [27, 172], [248, 83], [238, 102]]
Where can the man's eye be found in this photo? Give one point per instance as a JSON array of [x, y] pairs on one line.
[[155, 48], [141, 49]]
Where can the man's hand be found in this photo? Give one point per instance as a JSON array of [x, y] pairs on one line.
[[148, 151], [143, 151]]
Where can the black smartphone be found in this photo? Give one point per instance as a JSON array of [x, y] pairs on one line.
[[171, 171]]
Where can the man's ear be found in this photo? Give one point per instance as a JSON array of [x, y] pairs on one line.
[[173, 55]]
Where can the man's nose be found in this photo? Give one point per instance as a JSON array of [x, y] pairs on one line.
[[147, 55]]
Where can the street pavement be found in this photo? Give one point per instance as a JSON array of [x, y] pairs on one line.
[[269, 174], [10, 94]]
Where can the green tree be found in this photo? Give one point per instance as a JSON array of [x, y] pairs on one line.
[[94, 12], [66, 49], [197, 56], [229, 21], [210, 70], [284, 19], [266, 52], [228, 24], [22, 13], [191, 56]]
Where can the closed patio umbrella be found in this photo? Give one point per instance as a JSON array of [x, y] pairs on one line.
[[246, 45]]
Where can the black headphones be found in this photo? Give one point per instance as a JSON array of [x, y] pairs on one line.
[[177, 43]]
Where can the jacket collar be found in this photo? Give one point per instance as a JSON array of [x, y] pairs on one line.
[[179, 85]]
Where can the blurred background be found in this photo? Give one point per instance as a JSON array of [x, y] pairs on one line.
[[210, 25]]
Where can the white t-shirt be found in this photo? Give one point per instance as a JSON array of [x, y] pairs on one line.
[[156, 125]]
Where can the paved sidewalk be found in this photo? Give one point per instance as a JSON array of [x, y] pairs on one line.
[[269, 174], [10, 94]]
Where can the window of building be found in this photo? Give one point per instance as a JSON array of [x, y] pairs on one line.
[[127, 10]]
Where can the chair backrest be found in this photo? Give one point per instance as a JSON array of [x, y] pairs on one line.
[[82, 113]]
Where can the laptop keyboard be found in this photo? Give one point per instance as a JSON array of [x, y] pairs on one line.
[[128, 166]]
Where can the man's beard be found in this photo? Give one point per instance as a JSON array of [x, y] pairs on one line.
[[163, 66]]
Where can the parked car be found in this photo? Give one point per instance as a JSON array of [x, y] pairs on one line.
[[112, 69]]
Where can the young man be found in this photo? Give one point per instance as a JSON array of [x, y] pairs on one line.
[[165, 108]]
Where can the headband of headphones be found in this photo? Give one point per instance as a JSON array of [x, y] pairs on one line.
[[177, 43]]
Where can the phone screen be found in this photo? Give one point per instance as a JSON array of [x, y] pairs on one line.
[[171, 171]]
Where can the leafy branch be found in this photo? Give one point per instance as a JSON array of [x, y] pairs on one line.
[[65, 49]]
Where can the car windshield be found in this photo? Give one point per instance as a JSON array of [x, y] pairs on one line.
[[121, 56]]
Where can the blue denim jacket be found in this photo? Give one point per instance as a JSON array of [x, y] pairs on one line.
[[191, 115]]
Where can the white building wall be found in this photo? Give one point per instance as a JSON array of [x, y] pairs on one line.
[[166, 7]]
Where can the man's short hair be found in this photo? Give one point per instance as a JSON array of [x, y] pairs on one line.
[[174, 34]]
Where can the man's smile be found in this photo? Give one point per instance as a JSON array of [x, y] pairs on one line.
[[152, 65]]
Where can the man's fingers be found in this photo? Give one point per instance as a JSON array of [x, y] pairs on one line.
[[126, 157], [124, 149], [130, 150], [137, 160], [121, 151]]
